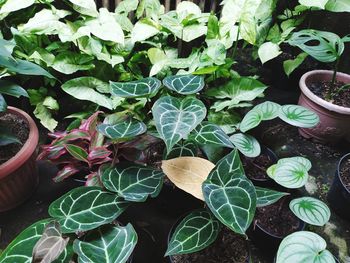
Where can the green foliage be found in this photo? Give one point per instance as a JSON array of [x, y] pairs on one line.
[[139, 88], [185, 85], [267, 197]]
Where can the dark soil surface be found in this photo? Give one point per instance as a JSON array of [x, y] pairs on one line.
[[277, 219], [20, 129], [228, 248], [255, 168], [345, 173], [321, 89]]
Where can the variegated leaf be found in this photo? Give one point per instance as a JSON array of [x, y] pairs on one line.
[[298, 116], [183, 148], [175, 118], [304, 246], [125, 129], [86, 208], [268, 109], [133, 183], [267, 196], [207, 133], [184, 84], [310, 210], [195, 232], [107, 244], [77, 152], [251, 120], [246, 144], [140, 88]]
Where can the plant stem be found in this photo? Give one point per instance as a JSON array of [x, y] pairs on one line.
[[329, 95], [236, 43]]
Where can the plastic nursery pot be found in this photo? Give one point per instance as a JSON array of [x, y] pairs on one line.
[[19, 175], [334, 120], [170, 259], [339, 196]]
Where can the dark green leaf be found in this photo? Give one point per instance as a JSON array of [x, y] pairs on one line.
[[184, 84], [267, 196], [123, 130], [12, 89], [133, 89]]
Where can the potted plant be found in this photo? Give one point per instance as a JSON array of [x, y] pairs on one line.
[[18, 134], [325, 92], [339, 194]]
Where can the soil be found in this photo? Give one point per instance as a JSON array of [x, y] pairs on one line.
[[228, 248], [345, 173], [255, 168], [20, 129], [321, 89], [277, 219]]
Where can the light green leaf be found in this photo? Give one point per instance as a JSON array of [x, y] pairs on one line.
[[45, 117], [183, 148], [85, 7], [290, 65], [176, 118], [298, 116], [184, 84], [125, 129], [338, 6], [316, 3], [12, 89], [77, 152], [246, 144], [106, 244], [304, 246], [14, 5], [268, 110], [84, 88], [310, 210], [267, 197], [195, 232], [251, 120], [85, 208], [268, 51], [71, 62], [207, 133], [133, 183], [127, 6], [3, 104], [143, 30], [134, 89]]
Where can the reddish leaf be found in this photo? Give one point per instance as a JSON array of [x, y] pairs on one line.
[[89, 125], [57, 135], [105, 160], [99, 153], [72, 136], [65, 172], [93, 179], [77, 152], [51, 152], [141, 142]]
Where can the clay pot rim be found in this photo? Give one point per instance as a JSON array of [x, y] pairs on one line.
[[344, 158], [330, 106], [27, 149]]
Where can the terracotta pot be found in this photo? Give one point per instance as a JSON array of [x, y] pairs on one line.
[[19, 175], [334, 120]]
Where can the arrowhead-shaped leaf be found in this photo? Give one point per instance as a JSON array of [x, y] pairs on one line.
[[246, 144], [176, 118], [133, 89], [85, 208], [107, 244], [267, 196], [195, 232], [123, 130], [298, 116], [184, 84], [310, 210], [134, 183]]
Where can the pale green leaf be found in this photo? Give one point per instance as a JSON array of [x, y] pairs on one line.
[[268, 51], [298, 116], [267, 197], [246, 144], [292, 64], [85, 7], [143, 30], [338, 5]]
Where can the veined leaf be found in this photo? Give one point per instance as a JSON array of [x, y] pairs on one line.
[[183, 148], [310, 210], [85, 7], [86, 208], [195, 232], [267, 197], [77, 152], [307, 164], [207, 133], [246, 144], [175, 118], [125, 129], [251, 120], [304, 246], [184, 84], [188, 173], [134, 183], [233, 204], [134, 89], [268, 109], [106, 244], [298, 116]]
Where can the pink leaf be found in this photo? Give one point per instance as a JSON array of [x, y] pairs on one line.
[[89, 125], [99, 153], [65, 172], [77, 152], [93, 179], [72, 136]]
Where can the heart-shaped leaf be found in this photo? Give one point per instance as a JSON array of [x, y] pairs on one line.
[[85, 208], [310, 210], [50, 245], [207, 133], [298, 116], [188, 173], [195, 232], [21, 248], [267, 196], [106, 244], [133, 183], [123, 130], [133, 89], [184, 84], [246, 144], [233, 204], [183, 148], [304, 246], [175, 118]]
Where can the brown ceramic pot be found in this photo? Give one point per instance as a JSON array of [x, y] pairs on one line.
[[334, 120], [19, 175]]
